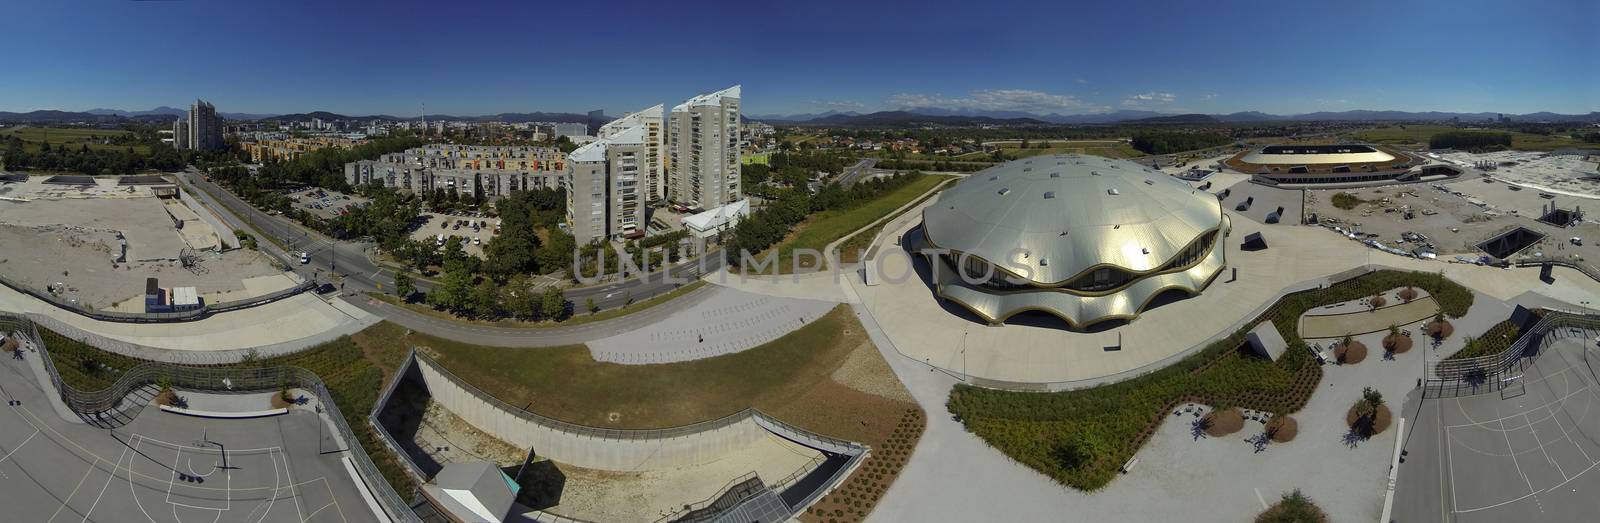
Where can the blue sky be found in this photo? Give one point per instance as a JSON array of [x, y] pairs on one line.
[[466, 57]]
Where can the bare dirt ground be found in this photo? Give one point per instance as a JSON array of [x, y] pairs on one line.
[[460, 441], [599, 495], [68, 235]]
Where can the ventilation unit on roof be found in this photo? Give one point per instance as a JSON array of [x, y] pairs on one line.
[[1049, 195], [993, 178], [1149, 182], [1005, 191], [1055, 175], [1113, 191]]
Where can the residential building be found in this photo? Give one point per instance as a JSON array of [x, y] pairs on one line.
[[605, 200], [655, 142], [571, 129], [486, 171], [704, 150], [201, 130], [283, 148]]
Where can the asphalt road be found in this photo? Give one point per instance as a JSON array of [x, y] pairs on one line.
[[853, 173], [352, 261]]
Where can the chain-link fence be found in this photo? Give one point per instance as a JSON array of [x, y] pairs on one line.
[[219, 379]]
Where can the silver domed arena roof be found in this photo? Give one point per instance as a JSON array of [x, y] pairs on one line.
[[1083, 237]]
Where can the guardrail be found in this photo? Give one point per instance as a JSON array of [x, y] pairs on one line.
[[1585, 269], [90, 404], [154, 317], [1482, 369]]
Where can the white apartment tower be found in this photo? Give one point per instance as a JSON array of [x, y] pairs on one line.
[[604, 183], [655, 142], [201, 130], [704, 142]]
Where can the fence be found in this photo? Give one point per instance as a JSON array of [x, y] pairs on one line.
[[214, 378], [1508, 364]]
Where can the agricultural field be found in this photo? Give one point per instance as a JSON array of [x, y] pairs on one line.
[[1107, 148], [1418, 135], [74, 137]]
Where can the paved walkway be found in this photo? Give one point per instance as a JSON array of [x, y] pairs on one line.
[[1363, 321], [287, 325], [529, 337], [727, 321]]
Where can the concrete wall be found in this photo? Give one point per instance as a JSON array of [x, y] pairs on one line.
[[586, 450], [224, 232]]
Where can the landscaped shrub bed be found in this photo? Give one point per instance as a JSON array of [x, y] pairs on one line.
[[1494, 341], [853, 499], [1081, 438]]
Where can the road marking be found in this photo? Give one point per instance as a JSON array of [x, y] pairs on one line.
[[1261, 499]]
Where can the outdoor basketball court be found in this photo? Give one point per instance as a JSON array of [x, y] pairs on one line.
[[167, 467], [1527, 452]]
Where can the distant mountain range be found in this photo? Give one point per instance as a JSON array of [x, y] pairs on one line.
[[935, 116]]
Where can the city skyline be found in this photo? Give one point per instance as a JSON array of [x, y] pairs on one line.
[[1176, 58]]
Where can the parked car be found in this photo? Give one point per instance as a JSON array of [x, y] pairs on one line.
[[305, 257]]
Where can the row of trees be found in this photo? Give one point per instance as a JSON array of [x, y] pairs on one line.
[[1469, 140], [325, 167], [770, 224], [87, 160], [1168, 142]]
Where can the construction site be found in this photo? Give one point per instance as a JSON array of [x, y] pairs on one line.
[[94, 241]]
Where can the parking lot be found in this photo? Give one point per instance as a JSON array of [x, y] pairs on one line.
[[325, 204], [1524, 453], [461, 226]]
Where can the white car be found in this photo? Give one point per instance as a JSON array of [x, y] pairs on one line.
[[305, 257], [477, 241]]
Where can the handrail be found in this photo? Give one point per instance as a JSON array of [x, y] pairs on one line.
[[90, 404], [1468, 369]]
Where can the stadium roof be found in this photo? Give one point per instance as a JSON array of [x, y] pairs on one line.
[[1316, 155], [1052, 218]]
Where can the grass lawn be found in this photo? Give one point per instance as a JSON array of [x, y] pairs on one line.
[[1081, 438], [579, 316], [1108, 149], [825, 377], [856, 246], [821, 229], [1419, 134]]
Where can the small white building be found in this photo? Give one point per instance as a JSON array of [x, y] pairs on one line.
[[718, 220], [473, 491]]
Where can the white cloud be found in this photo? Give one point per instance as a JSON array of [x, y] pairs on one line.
[[1022, 100], [1148, 100], [1209, 96], [1082, 81], [838, 105]]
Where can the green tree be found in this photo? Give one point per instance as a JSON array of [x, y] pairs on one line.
[[553, 304], [588, 303], [403, 286], [485, 300]]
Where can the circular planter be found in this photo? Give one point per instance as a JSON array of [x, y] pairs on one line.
[[1351, 355], [1369, 427], [1282, 429], [1223, 423], [1396, 343], [1439, 329]]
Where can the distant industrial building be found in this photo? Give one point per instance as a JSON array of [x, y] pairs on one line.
[[704, 144], [477, 170], [655, 137], [605, 200], [200, 130]]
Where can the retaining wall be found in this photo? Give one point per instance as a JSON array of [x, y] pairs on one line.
[[224, 232], [673, 449]]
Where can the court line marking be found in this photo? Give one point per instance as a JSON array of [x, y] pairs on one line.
[[336, 506], [85, 477], [110, 476], [1501, 421], [293, 494], [1535, 431], [19, 445], [134, 493], [1514, 462]]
